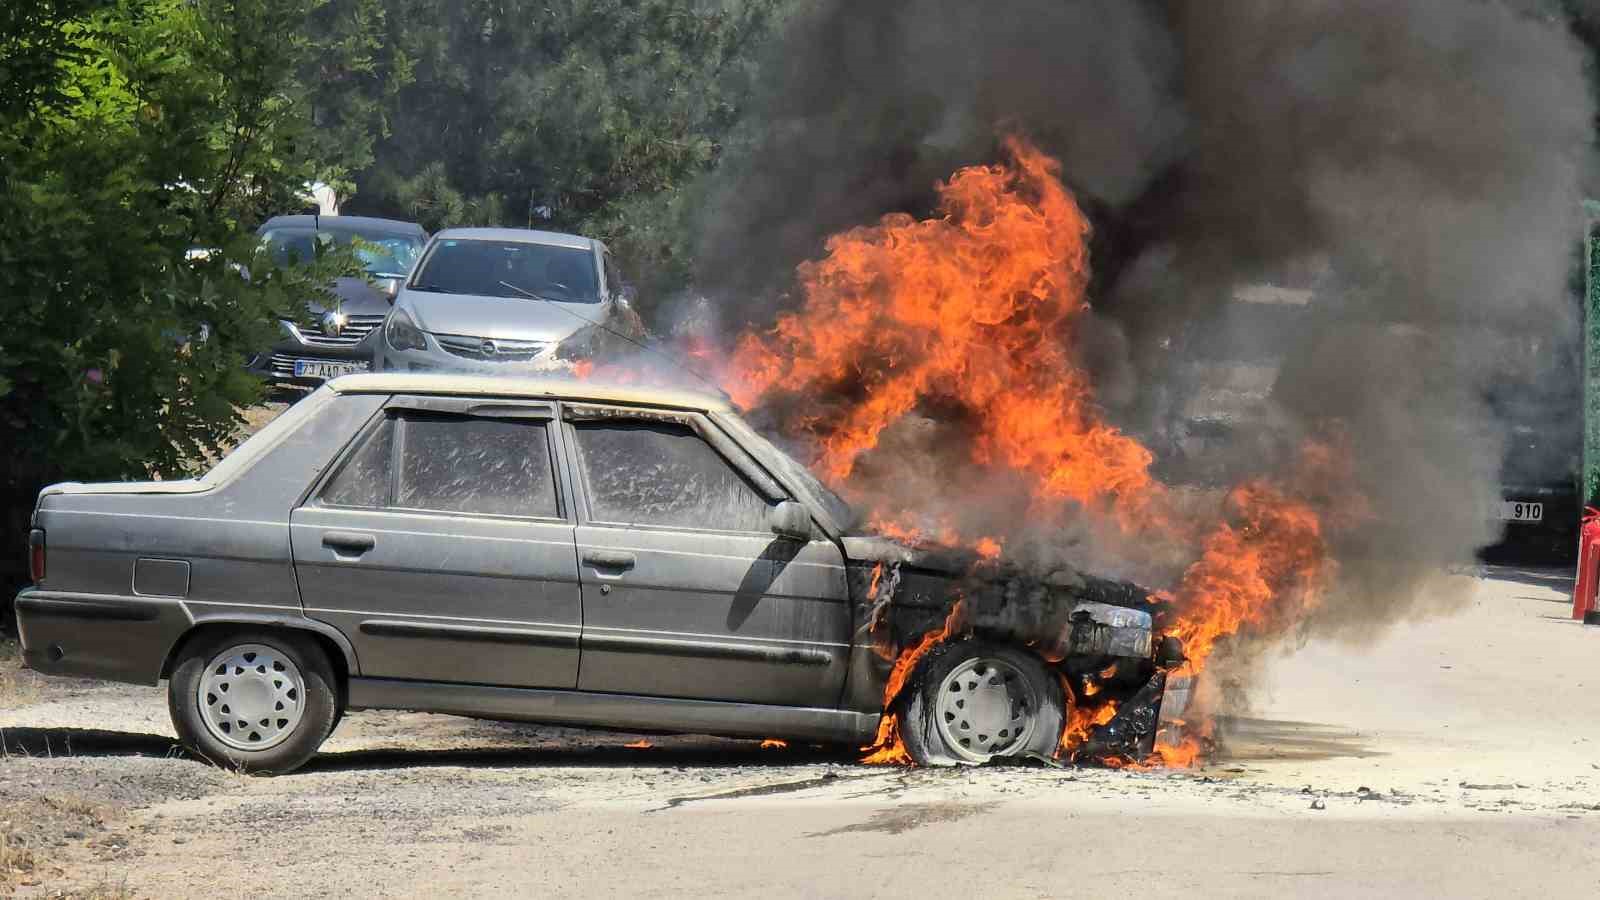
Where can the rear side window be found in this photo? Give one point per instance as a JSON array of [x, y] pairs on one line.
[[662, 473], [364, 479], [494, 467], [497, 467]]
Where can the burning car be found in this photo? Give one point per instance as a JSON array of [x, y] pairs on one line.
[[570, 553]]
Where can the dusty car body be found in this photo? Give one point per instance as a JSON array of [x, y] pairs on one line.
[[553, 551]]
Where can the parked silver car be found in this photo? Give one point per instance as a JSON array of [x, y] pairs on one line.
[[499, 299], [560, 552]]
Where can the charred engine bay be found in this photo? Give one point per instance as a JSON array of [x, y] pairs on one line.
[[1062, 614]]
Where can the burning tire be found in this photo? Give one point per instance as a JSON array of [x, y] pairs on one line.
[[973, 701]]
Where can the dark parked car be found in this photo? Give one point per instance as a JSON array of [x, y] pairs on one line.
[[551, 551], [340, 340]]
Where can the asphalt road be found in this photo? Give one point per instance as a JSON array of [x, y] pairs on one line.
[[1455, 756]]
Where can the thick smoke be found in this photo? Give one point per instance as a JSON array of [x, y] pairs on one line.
[[1414, 170]]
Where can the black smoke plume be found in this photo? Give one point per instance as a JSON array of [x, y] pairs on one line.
[[1401, 180]]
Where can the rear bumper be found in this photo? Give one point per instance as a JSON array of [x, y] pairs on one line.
[[116, 638]]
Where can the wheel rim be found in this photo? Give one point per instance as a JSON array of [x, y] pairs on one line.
[[986, 708], [251, 697]]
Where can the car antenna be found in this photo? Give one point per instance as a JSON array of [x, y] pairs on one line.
[[604, 327]]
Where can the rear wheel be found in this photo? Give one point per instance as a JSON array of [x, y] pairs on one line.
[[974, 701], [257, 701]]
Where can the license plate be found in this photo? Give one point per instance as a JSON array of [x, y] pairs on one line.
[[1521, 511], [311, 368]]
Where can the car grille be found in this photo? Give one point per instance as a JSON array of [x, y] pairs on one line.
[[282, 365], [491, 349], [355, 329]]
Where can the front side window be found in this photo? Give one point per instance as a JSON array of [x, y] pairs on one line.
[[662, 473], [456, 464], [515, 270]]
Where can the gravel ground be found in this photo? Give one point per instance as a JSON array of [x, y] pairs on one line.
[[1458, 757]]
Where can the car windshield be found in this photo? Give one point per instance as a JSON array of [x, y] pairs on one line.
[[515, 269], [380, 252], [792, 471]]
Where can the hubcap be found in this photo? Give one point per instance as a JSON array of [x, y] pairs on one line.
[[251, 697], [986, 708]]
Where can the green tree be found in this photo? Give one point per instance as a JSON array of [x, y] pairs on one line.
[[133, 131], [585, 115]]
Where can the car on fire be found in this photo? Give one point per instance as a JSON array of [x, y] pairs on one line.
[[563, 552]]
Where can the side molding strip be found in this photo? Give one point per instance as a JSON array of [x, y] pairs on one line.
[[120, 610], [786, 654], [528, 636]]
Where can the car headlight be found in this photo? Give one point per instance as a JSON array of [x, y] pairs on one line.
[[402, 333]]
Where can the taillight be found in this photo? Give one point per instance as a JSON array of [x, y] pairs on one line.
[[36, 555]]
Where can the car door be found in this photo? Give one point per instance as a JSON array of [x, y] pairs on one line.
[[442, 546], [687, 592]]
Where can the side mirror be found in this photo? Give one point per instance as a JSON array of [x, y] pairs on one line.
[[789, 519], [390, 286]]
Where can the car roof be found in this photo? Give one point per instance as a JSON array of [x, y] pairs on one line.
[[310, 221], [520, 235], [530, 388]]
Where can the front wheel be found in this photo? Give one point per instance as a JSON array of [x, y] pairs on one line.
[[256, 701], [973, 701]]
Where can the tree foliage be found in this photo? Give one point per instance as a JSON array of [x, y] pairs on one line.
[[584, 115], [132, 131]]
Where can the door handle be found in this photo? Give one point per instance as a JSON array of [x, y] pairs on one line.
[[609, 559], [348, 542]]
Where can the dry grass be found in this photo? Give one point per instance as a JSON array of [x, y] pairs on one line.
[[39, 822], [17, 687], [18, 863]]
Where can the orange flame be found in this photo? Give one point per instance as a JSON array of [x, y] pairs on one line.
[[974, 306], [773, 744], [977, 309], [889, 747], [640, 744]]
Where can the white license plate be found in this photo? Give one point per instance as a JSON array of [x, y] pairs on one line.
[[310, 368], [1521, 511]]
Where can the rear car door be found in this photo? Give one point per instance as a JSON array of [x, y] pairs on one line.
[[687, 592], [442, 546]]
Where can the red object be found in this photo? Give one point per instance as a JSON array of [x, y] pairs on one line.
[[1584, 605], [36, 555]]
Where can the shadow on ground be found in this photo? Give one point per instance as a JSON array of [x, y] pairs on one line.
[[1555, 579], [582, 752], [50, 742]]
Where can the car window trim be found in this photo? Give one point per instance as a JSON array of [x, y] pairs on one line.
[[478, 408], [589, 412], [724, 446]]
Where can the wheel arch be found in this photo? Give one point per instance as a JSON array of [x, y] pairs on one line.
[[340, 654]]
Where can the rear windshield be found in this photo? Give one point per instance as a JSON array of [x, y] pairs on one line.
[[509, 269], [380, 252], [259, 443]]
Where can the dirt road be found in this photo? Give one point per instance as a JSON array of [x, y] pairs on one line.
[[1456, 757]]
